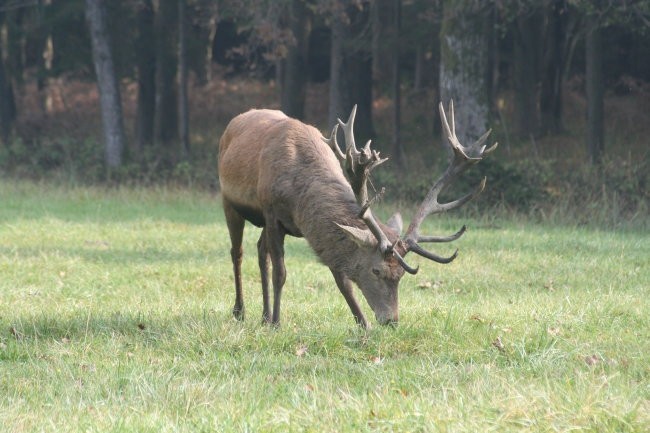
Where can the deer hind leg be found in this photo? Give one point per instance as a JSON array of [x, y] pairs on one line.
[[235, 223], [263, 258], [275, 243]]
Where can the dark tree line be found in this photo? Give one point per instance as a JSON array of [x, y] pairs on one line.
[[468, 50]]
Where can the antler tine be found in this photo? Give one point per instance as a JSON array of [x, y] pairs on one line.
[[451, 238], [331, 142], [348, 130]]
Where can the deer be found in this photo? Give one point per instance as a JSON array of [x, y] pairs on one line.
[[284, 176]]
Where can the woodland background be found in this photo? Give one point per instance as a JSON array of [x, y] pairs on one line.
[[139, 91]]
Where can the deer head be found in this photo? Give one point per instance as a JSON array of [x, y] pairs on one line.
[[379, 262]]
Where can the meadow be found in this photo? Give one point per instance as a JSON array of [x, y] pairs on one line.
[[115, 316]]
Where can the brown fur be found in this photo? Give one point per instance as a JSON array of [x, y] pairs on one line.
[[277, 172]]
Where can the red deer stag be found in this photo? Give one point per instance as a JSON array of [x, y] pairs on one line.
[[282, 175]]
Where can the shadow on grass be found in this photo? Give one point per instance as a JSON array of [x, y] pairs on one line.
[[116, 255]]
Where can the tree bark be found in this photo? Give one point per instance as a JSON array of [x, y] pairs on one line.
[[595, 86], [464, 67], [146, 67], [293, 71], [166, 118], [109, 92]]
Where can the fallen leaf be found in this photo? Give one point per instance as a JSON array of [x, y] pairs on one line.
[[376, 360], [88, 367], [17, 334], [553, 330], [499, 344], [309, 387], [301, 351], [425, 285], [141, 326], [592, 359], [477, 318], [549, 286]]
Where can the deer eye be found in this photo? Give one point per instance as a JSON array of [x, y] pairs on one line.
[[376, 271]]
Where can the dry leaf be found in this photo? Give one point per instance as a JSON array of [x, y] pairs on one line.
[[592, 359], [16, 333], [425, 285], [141, 326], [553, 330], [376, 360], [309, 387], [499, 344], [477, 318], [301, 351]]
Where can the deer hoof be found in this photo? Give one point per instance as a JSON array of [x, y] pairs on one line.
[[238, 312]]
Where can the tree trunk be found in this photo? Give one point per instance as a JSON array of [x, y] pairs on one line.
[[398, 149], [15, 45], [7, 102], [382, 22], [339, 92], [109, 92], [464, 67], [525, 75], [351, 71], [166, 118], [183, 108], [595, 84], [146, 66], [550, 100], [293, 71]]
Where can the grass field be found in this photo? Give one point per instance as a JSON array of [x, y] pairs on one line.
[[115, 316]]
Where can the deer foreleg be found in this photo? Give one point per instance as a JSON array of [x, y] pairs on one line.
[[347, 290], [263, 259]]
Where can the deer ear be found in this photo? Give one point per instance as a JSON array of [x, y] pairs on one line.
[[362, 237], [395, 223]]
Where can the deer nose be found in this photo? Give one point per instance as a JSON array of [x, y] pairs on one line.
[[390, 320]]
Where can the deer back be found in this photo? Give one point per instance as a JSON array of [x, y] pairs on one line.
[[270, 162]]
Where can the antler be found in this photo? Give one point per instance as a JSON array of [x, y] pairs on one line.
[[462, 158], [358, 163]]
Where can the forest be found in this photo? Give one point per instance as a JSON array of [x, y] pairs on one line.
[[140, 90]]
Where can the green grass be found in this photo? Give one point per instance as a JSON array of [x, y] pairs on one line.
[[115, 316]]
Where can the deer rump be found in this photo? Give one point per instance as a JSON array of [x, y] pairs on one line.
[[284, 176]]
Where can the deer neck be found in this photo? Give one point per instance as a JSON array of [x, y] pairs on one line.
[[319, 219]]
